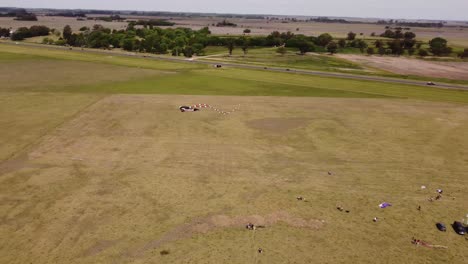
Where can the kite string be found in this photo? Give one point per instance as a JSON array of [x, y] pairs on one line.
[[236, 108]]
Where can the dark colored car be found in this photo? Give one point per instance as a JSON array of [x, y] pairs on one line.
[[430, 83], [459, 228], [441, 227], [187, 109]]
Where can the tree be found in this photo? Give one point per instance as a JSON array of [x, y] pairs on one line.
[[342, 43], [247, 31], [423, 53], [351, 35], [370, 51], [39, 31], [198, 49], [230, 45], [463, 54], [4, 32], [302, 43], [332, 47], [438, 47], [388, 34], [378, 43], [84, 28], [281, 50], [67, 32], [245, 45], [396, 47], [409, 43], [128, 44], [381, 51], [324, 39], [409, 35], [188, 51], [21, 33], [362, 45]]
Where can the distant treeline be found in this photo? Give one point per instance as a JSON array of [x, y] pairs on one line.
[[34, 31], [225, 23], [410, 24], [18, 13], [153, 23], [67, 14], [108, 19], [328, 20]]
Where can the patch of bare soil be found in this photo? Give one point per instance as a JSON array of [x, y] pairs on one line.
[[277, 125], [99, 246], [13, 164], [207, 224], [401, 65]]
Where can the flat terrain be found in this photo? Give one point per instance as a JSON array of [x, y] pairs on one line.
[[407, 66], [456, 36], [110, 171], [59, 23], [269, 57]]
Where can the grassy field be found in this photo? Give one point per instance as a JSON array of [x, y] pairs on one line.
[[269, 57], [97, 165]]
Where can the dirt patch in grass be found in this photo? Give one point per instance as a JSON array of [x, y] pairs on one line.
[[277, 125], [99, 246], [406, 66], [210, 223], [13, 164]]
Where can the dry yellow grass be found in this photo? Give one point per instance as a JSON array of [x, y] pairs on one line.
[[131, 176]]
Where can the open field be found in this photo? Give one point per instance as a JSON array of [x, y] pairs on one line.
[[130, 176], [101, 167], [269, 57], [401, 65], [59, 23]]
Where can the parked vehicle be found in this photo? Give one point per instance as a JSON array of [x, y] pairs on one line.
[[459, 228], [441, 227]]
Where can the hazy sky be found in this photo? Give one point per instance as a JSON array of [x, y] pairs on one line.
[[416, 9]]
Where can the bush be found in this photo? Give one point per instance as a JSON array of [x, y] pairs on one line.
[[281, 50], [34, 31], [423, 53], [438, 47], [4, 32], [370, 51], [463, 54], [21, 33], [61, 42]]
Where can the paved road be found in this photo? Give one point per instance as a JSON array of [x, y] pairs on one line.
[[249, 66]]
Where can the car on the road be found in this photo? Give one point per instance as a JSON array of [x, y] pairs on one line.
[[459, 228], [218, 65], [430, 83]]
